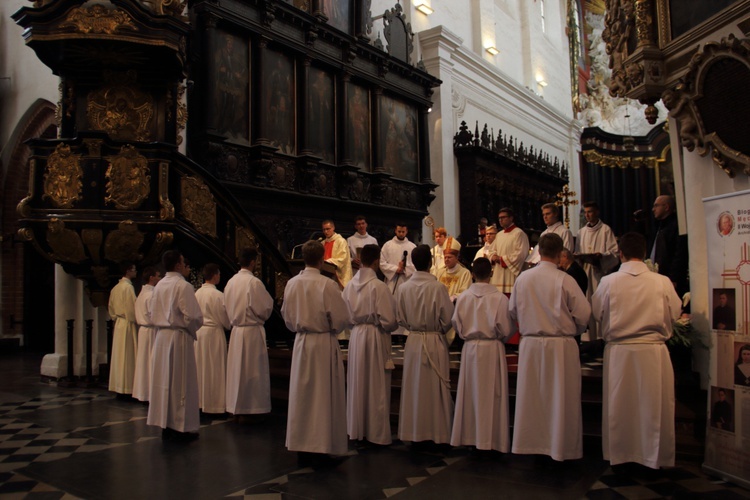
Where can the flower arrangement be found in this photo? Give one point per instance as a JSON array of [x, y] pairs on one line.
[[684, 335]]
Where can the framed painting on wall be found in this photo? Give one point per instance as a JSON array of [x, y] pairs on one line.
[[398, 139], [358, 122], [321, 114], [278, 102], [228, 110], [338, 13]]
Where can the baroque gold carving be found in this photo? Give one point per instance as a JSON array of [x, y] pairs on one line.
[[128, 181], [98, 20], [616, 161], [123, 243], [63, 178], [166, 210], [182, 113], [122, 110], [243, 238], [162, 241], [644, 22], [66, 245], [198, 205]]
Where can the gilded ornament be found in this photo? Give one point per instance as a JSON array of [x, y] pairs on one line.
[[244, 238], [182, 113], [644, 22], [166, 212], [63, 177], [122, 110], [123, 243], [98, 20], [66, 245], [198, 205], [128, 179]]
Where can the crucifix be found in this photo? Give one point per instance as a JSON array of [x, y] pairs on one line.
[[564, 199]]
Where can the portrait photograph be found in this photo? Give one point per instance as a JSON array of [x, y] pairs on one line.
[[742, 364], [724, 315], [229, 86], [725, 224], [358, 125], [722, 409], [278, 103], [321, 114], [398, 139]]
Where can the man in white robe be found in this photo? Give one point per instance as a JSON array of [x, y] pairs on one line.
[[551, 310], [248, 305], [372, 311], [146, 334], [177, 317], [490, 233], [337, 253], [122, 311], [455, 277], [314, 309], [596, 251], [508, 252], [395, 258], [359, 240], [211, 346], [425, 310], [636, 309], [481, 318], [551, 217]]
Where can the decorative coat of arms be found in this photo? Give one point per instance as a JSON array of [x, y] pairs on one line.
[[121, 109], [62, 181], [128, 179], [198, 205]]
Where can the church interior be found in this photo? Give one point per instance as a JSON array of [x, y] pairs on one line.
[[131, 127]]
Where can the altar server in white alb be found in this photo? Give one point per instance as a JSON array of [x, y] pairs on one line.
[[636, 309], [248, 305], [337, 253], [395, 258], [122, 311], [211, 347], [551, 217], [481, 318], [425, 310], [490, 233], [508, 252], [146, 334], [372, 311], [359, 240], [314, 309], [551, 310], [177, 317]]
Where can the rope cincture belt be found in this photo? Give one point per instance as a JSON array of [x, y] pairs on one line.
[[445, 381]]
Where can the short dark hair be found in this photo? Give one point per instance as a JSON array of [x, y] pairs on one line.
[[591, 204], [550, 245], [632, 245], [508, 211], [401, 223], [125, 266], [210, 270], [170, 259], [551, 206], [312, 253], [359, 218], [147, 273], [421, 257], [328, 221], [370, 253], [482, 268], [248, 255]]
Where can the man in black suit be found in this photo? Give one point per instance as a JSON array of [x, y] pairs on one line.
[[668, 248], [570, 266]]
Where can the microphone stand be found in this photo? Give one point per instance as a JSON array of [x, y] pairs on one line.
[[395, 283]]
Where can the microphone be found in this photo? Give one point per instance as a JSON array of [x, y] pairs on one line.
[[406, 254]]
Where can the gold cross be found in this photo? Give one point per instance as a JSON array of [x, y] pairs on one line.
[[564, 200]]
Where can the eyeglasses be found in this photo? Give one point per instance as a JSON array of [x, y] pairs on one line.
[[501, 217]]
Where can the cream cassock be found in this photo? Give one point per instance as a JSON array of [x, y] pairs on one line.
[[512, 246], [211, 350], [122, 364], [357, 241], [176, 316], [636, 309], [146, 336], [597, 239], [481, 318], [390, 255], [372, 311], [559, 229], [425, 310], [313, 308], [550, 309], [248, 305]]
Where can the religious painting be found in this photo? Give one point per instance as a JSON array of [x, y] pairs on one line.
[[398, 139], [229, 86], [358, 123], [321, 113], [300, 4], [338, 13], [278, 107], [687, 14]]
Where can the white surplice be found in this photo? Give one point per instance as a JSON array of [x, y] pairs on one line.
[[372, 311], [146, 337], [340, 258], [438, 258], [211, 350], [456, 280], [636, 309], [390, 255], [559, 229], [550, 309], [483, 252], [314, 309], [177, 317], [248, 305], [512, 246], [482, 319], [425, 310], [122, 311], [597, 239], [357, 241]]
